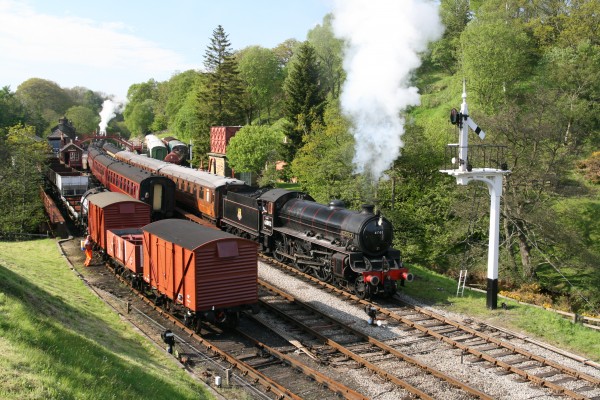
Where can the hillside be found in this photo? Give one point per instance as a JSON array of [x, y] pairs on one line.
[[58, 340]]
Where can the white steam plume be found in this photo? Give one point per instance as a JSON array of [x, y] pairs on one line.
[[109, 111], [384, 39]]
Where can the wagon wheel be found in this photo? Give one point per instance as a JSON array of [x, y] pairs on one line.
[[233, 318], [324, 273], [188, 320], [279, 248], [198, 325]]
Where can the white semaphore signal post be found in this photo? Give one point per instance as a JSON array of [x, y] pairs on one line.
[[489, 173]]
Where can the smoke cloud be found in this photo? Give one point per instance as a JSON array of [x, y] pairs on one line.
[[384, 39], [109, 111]]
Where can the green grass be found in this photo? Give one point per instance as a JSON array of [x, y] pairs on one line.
[[440, 291], [59, 341]]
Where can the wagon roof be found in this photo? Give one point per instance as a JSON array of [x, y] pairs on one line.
[[107, 198], [186, 234]]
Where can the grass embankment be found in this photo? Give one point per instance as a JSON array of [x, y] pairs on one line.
[[59, 341], [440, 291]]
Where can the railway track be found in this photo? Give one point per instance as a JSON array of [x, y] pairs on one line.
[[261, 366], [342, 344], [426, 330]]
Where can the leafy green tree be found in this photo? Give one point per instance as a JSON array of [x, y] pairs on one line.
[[262, 75], [496, 56], [223, 87], [139, 111], [12, 110], [178, 89], [82, 96], [192, 122], [328, 49], [455, 16], [253, 147], [84, 120], [285, 51], [45, 101], [305, 100], [140, 117], [323, 165], [22, 156]]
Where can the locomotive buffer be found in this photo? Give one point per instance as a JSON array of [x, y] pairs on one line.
[[492, 177]]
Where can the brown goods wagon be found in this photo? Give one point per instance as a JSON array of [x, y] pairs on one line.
[[199, 267], [125, 246], [110, 210]]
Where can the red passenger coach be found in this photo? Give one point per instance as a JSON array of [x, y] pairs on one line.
[[210, 274], [109, 210]]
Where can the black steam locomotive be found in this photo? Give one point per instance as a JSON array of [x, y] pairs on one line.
[[348, 248]]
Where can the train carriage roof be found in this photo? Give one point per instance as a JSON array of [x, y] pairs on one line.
[[105, 199], [144, 161], [202, 178], [134, 173], [205, 179], [186, 234]]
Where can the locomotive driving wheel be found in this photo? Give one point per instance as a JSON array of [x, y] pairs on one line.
[[324, 273], [279, 249], [361, 289], [299, 249]]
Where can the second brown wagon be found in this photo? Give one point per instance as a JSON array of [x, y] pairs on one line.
[[211, 275]]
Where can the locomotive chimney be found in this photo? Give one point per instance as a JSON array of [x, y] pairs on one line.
[[367, 208]]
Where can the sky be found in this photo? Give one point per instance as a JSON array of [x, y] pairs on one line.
[[108, 45]]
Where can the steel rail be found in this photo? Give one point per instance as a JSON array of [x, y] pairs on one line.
[[332, 384]]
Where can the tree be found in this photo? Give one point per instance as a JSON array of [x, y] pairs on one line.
[[22, 157], [328, 49], [12, 110], [253, 147], [285, 51], [455, 16], [224, 88], [262, 75], [496, 57], [192, 121], [140, 117], [323, 165], [305, 100], [178, 89], [45, 101], [140, 108], [85, 97], [84, 120]]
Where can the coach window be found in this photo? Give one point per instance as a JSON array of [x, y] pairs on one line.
[[201, 193]]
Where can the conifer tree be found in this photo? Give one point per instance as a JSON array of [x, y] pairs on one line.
[[305, 99], [224, 87]]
